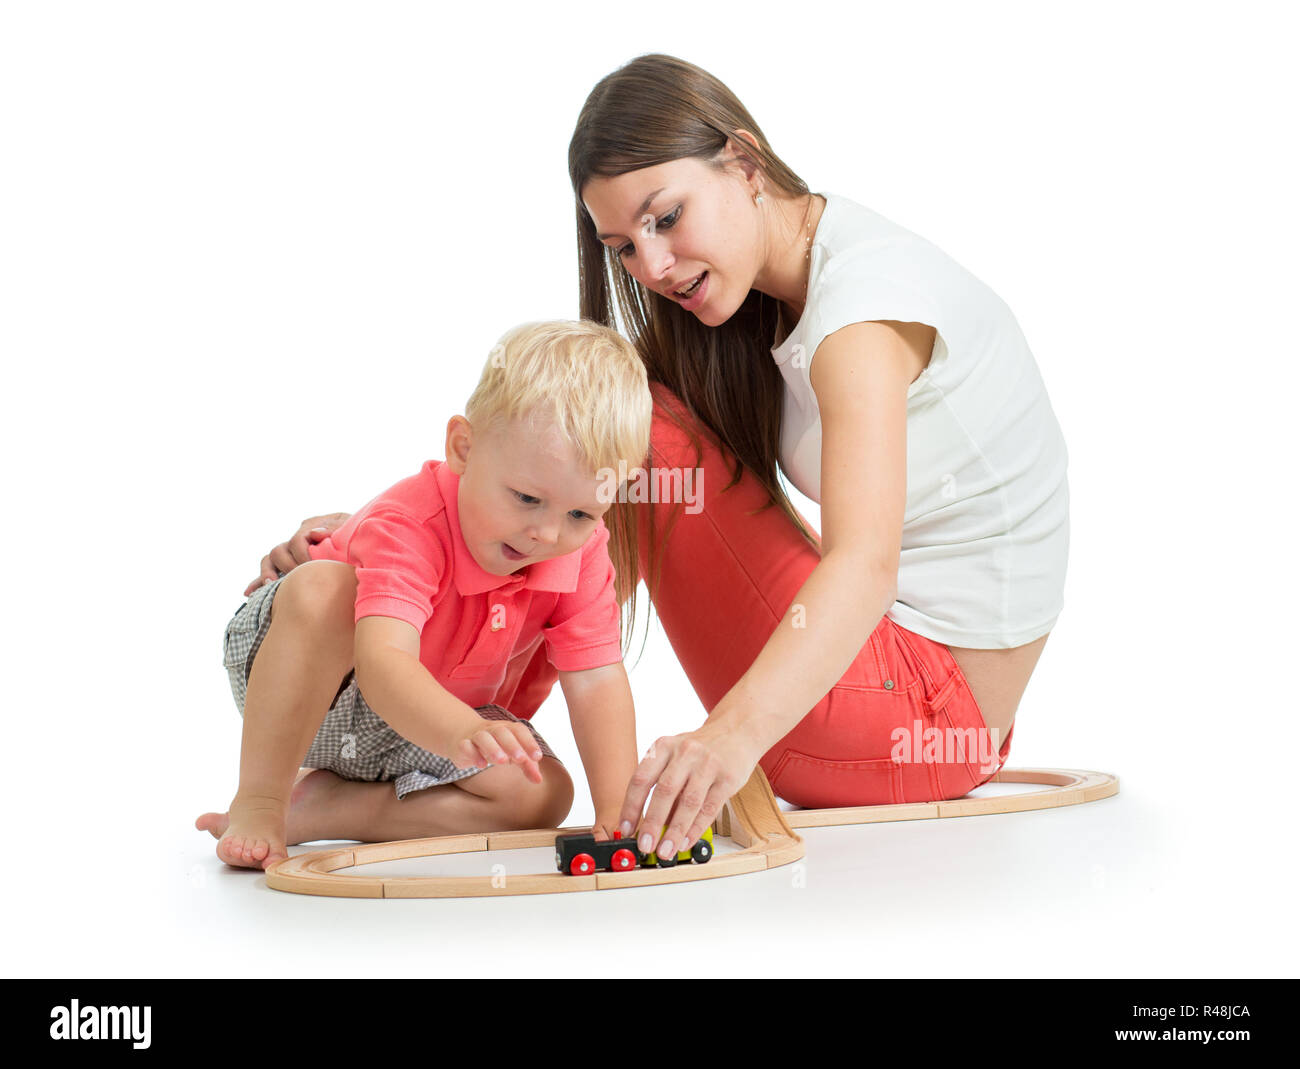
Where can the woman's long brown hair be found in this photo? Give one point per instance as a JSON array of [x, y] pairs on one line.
[[653, 110]]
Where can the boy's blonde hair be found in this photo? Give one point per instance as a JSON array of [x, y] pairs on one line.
[[584, 377]]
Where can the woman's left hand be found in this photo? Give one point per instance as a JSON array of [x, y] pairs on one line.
[[692, 775]]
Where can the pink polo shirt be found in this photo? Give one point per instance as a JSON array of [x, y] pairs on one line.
[[478, 631]]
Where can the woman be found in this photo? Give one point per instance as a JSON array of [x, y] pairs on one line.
[[883, 663]]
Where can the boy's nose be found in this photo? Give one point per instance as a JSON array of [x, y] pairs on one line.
[[545, 534]]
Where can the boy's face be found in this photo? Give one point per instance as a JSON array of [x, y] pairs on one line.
[[524, 494]]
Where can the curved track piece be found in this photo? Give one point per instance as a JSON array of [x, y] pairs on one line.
[[760, 828], [1066, 786]]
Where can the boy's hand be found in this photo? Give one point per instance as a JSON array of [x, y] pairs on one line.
[[498, 742]]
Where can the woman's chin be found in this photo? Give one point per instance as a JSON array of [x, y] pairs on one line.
[[711, 318]]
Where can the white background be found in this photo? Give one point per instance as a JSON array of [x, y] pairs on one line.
[[254, 255]]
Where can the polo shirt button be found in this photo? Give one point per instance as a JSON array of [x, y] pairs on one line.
[[889, 684]]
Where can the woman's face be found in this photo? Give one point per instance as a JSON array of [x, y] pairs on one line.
[[678, 221]]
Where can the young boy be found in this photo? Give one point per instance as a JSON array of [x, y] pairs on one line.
[[379, 660]]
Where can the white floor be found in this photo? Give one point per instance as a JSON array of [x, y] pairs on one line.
[[1122, 887]]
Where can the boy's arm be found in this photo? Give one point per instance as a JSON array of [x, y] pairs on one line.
[[604, 727], [405, 695]]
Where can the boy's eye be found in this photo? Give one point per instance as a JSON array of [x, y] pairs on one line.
[[528, 499], [666, 223]]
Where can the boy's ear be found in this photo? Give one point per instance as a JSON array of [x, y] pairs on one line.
[[459, 439]]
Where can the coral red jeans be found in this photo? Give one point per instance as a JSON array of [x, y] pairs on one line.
[[900, 726]]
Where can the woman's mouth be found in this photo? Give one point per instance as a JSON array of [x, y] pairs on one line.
[[511, 554], [692, 293]]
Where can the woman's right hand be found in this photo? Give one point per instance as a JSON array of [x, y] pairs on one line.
[[285, 557]]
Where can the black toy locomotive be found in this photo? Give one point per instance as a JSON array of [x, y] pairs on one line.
[[579, 853]]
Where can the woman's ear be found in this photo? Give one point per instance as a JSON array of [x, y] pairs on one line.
[[738, 152]]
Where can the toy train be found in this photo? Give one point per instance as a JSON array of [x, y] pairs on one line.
[[579, 853]]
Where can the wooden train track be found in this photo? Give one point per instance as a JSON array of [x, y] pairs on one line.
[[752, 819], [1062, 786]]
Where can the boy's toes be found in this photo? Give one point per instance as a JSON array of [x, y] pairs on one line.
[[231, 850], [241, 851], [251, 842], [273, 855]]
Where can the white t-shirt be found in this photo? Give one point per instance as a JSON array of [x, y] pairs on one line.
[[986, 529]]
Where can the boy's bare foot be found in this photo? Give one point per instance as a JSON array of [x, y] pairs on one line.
[[310, 817], [251, 835], [319, 809]]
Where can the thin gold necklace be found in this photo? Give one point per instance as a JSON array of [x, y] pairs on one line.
[[808, 240]]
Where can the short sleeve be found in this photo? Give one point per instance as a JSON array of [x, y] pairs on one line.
[[856, 288], [583, 629], [861, 285], [401, 566]]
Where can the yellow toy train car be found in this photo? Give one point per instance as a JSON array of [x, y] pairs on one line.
[[699, 853]]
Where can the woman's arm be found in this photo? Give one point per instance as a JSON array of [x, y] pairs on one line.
[[285, 557], [860, 375]]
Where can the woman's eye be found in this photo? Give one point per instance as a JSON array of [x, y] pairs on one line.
[[525, 498], [666, 223], [578, 514]]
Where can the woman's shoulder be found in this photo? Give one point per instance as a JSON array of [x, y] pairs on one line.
[[860, 241], [874, 268]]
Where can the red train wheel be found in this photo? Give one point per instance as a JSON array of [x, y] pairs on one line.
[[622, 861], [582, 865]]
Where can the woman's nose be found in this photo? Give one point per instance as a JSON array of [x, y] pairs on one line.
[[658, 259]]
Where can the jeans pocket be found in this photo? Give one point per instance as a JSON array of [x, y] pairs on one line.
[[823, 783], [972, 746]]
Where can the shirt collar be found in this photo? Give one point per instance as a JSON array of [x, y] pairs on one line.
[[559, 574]]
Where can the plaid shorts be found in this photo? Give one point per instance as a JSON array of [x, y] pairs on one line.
[[352, 741]]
